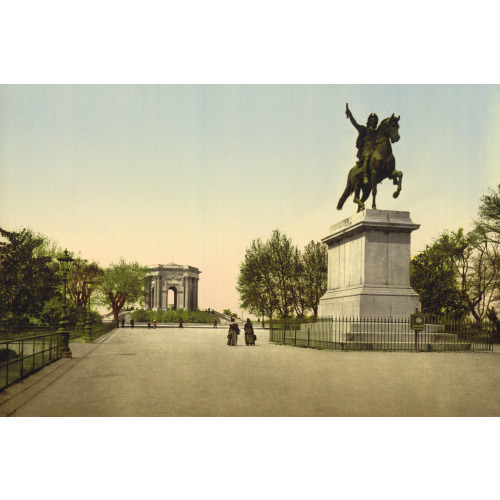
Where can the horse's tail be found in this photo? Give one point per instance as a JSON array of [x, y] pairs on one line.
[[347, 192], [341, 202]]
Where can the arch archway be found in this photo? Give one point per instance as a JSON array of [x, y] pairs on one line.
[[172, 298], [172, 284]]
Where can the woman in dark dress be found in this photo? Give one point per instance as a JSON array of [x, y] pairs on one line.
[[249, 337], [234, 331]]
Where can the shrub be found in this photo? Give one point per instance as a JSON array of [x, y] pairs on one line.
[[172, 316], [141, 315], [7, 355]]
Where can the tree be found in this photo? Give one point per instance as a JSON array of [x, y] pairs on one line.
[[298, 284], [489, 214], [475, 261], [124, 284], [255, 284], [81, 272], [281, 261], [458, 274], [482, 280], [28, 275], [315, 261], [435, 280], [275, 278]]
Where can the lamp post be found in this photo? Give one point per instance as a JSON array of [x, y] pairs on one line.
[[65, 262], [87, 337]]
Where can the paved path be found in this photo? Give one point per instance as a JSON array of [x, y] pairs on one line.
[[191, 372]]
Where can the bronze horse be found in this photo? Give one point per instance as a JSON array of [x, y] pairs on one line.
[[382, 166]]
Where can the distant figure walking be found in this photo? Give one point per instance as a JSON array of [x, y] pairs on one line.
[[180, 323], [215, 323], [123, 323], [234, 331], [249, 336], [132, 323]]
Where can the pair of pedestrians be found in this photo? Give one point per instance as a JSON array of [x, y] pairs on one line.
[[234, 331]]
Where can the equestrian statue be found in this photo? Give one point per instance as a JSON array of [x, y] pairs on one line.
[[375, 160]]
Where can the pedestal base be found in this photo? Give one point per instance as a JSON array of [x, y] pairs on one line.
[[388, 302]]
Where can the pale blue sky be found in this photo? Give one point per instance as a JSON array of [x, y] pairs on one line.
[[192, 174]]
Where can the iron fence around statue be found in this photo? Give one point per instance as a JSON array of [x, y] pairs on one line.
[[350, 334], [23, 356]]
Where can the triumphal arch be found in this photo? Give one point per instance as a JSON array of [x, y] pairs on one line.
[[172, 286]]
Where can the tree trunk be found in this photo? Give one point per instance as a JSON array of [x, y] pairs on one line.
[[117, 302]]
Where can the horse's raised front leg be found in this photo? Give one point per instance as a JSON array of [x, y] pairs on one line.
[[398, 180]]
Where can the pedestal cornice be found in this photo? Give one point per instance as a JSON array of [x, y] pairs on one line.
[[377, 220]]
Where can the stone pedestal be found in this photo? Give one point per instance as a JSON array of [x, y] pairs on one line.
[[369, 267]]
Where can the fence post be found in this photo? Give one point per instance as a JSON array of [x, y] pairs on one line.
[[7, 366], [22, 358]]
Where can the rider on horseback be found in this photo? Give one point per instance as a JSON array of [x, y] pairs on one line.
[[365, 142]]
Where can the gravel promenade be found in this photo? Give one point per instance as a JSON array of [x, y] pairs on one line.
[[170, 372]]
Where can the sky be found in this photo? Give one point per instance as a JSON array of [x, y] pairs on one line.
[[192, 174]]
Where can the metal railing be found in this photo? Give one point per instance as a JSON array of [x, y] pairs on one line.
[[23, 356], [439, 334], [100, 330], [14, 332]]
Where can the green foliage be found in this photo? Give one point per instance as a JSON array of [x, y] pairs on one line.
[[277, 279], [172, 316], [495, 323], [52, 311], [434, 278], [7, 355], [228, 312], [255, 284], [489, 214], [458, 274], [283, 267], [123, 285], [142, 316], [28, 275], [82, 271], [315, 273]]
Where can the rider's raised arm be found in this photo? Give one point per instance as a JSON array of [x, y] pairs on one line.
[[349, 115]]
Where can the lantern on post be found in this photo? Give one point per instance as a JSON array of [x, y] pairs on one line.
[[87, 337], [65, 262]]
